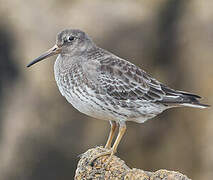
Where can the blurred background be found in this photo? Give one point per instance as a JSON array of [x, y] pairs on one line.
[[41, 135]]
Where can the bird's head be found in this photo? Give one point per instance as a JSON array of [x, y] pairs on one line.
[[68, 42]]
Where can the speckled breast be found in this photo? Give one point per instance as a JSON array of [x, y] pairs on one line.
[[76, 88]]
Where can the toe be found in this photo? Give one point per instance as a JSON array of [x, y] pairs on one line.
[[108, 152]]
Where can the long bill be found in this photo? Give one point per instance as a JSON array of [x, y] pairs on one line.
[[51, 52]]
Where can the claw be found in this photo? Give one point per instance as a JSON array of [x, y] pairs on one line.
[[107, 152], [112, 150]]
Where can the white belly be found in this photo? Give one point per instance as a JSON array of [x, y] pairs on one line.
[[89, 105], [96, 108]]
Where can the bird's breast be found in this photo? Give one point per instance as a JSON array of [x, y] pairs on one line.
[[79, 90], [83, 98]]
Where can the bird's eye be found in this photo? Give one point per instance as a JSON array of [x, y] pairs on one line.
[[71, 38]]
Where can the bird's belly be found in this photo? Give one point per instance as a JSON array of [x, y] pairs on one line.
[[87, 103], [93, 107]]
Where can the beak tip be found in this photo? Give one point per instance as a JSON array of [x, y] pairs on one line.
[[53, 51], [28, 65]]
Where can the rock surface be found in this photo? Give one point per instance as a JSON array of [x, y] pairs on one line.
[[117, 169]]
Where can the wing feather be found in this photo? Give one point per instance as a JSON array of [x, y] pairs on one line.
[[123, 80]]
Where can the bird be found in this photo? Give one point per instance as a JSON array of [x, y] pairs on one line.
[[104, 86]]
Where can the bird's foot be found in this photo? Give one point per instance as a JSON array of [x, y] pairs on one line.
[[110, 152]]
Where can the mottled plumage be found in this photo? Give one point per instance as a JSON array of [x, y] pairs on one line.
[[104, 86]]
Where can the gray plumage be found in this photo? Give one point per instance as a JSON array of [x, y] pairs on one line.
[[105, 86]]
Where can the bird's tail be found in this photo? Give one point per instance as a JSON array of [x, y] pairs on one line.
[[191, 100], [181, 98]]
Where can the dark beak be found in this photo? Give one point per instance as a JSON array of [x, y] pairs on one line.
[[53, 51]]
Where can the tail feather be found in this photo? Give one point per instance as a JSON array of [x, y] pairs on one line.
[[192, 101], [181, 98], [197, 105], [189, 94]]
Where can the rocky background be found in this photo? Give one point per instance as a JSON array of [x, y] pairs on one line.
[[41, 135]]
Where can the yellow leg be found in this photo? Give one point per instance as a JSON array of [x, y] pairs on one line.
[[111, 134], [122, 130], [113, 150]]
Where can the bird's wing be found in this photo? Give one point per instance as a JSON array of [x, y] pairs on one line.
[[123, 80]]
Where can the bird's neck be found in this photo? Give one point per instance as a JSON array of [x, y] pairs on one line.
[[67, 60]]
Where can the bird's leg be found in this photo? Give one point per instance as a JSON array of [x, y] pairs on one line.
[[122, 130], [113, 150], [111, 134]]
